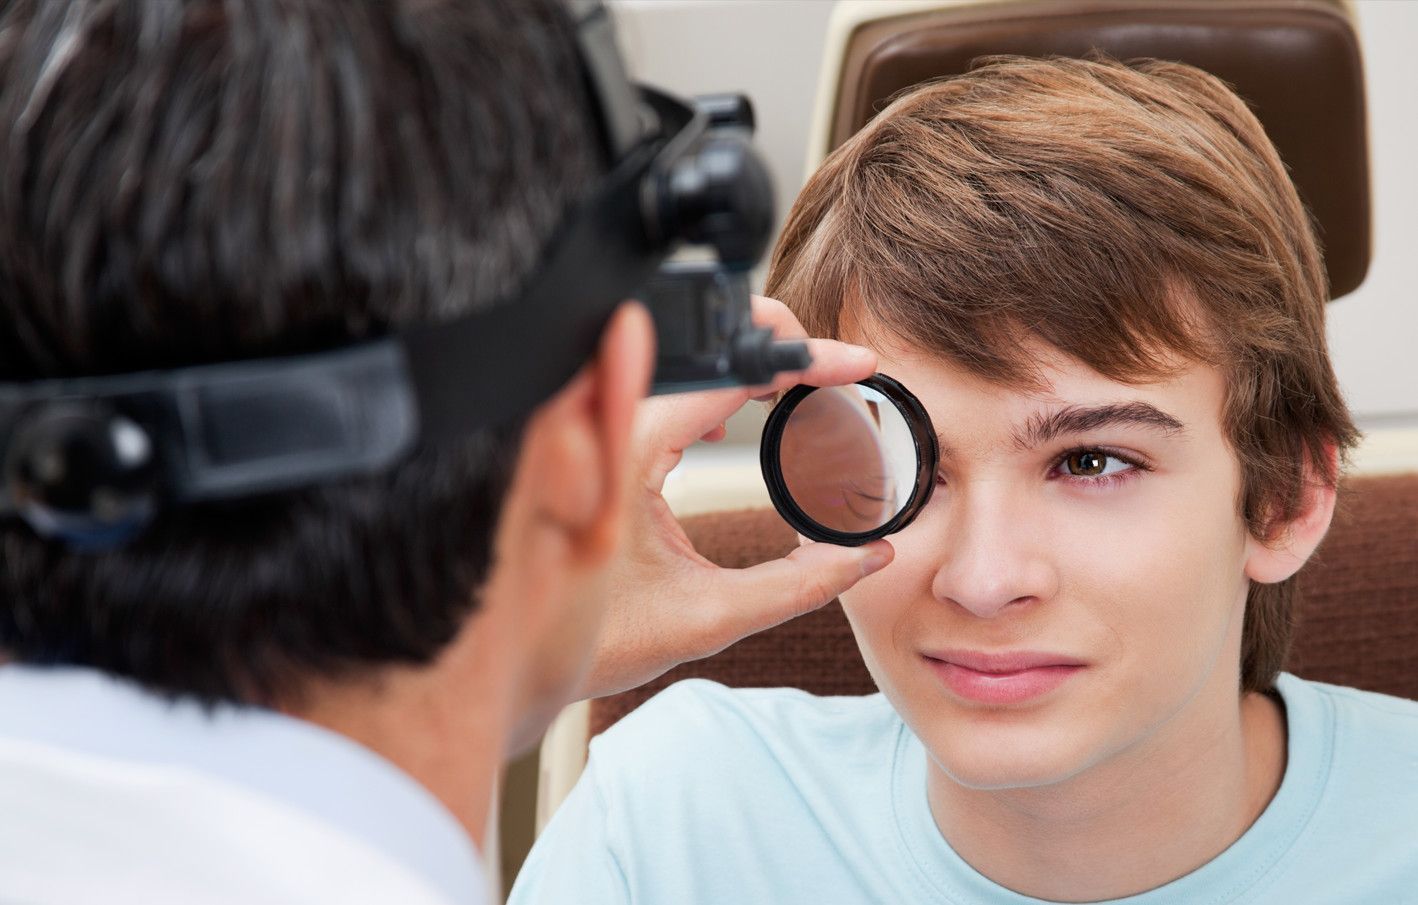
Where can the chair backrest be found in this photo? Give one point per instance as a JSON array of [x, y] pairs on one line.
[[1296, 62], [1358, 614]]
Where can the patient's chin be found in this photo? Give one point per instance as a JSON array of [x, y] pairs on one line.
[[994, 758], [997, 774]]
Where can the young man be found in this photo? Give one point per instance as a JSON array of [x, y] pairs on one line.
[[305, 696], [1101, 284]]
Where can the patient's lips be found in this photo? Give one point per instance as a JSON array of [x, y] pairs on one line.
[[1008, 677]]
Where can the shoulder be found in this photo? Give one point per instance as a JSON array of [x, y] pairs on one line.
[[697, 716], [123, 820], [702, 744], [1364, 737], [1357, 716], [1375, 743], [1354, 767], [681, 799], [702, 703], [710, 776], [1365, 753]]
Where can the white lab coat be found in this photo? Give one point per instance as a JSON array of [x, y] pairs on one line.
[[110, 795], [78, 829]]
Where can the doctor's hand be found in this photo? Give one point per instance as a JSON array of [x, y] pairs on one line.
[[667, 604]]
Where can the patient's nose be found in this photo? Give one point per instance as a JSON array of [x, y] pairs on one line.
[[992, 558]]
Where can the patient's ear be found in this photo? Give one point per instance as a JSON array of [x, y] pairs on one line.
[[1275, 560]]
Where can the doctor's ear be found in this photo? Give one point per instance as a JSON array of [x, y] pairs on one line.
[[1292, 543], [577, 446]]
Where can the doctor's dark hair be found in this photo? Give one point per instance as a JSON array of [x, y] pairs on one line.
[[210, 180], [1126, 215]]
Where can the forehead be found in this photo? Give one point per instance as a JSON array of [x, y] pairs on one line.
[[963, 405]]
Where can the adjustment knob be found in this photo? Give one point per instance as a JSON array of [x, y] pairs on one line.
[[83, 473], [726, 110]]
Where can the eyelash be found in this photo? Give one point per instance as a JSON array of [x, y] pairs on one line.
[[1057, 472], [1059, 469]]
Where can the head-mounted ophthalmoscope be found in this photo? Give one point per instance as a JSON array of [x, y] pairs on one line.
[[92, 460]]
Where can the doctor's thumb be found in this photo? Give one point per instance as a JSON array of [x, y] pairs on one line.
[[804, 580]]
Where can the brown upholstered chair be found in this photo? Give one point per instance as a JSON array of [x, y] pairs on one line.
[[1358, 618]]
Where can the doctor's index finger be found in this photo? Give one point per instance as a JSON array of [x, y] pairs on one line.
[[833, 362], [771, 313]]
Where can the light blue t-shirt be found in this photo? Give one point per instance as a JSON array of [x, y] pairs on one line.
[[716, 795]]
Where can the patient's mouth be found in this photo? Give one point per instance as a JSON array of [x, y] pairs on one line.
[[1001, 678]]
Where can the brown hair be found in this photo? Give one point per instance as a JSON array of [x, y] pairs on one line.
[[1114, 212]]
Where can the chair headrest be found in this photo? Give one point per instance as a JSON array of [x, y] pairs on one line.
[[1296, 62]]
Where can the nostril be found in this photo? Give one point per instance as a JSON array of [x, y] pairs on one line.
[[988, 578], [985, 603]]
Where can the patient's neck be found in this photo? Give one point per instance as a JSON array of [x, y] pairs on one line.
[[1133, 823]]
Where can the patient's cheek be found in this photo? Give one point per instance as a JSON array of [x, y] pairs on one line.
[[883, 611]]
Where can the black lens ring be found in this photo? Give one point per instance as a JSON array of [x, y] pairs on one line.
[[927, 460]]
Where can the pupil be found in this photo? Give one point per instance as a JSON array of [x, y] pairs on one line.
[[1087, 463]]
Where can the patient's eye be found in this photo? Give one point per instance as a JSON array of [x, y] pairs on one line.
[[1087, 463], [1096, 465]]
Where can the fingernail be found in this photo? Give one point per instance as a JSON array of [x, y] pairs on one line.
[[875, 561]]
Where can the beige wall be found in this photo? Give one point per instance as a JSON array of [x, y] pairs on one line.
[[1373, 331], [772, 49]]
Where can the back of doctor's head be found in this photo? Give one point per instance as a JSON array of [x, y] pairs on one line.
[[209, 180], [1126, 215]]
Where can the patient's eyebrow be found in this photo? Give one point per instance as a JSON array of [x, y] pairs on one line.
[[1076, 419]]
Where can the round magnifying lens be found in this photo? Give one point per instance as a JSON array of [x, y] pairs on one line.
[[849, 464]]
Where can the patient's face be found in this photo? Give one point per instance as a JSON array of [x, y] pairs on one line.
[[1106, 544]]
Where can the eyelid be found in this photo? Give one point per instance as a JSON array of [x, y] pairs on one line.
[[1127, 456], [1137, 462]]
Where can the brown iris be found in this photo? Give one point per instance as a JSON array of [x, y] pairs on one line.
[[1088, 463]]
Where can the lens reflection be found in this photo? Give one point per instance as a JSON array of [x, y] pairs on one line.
[[848, 459]]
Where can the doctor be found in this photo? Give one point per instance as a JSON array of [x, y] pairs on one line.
[[302, 691]]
